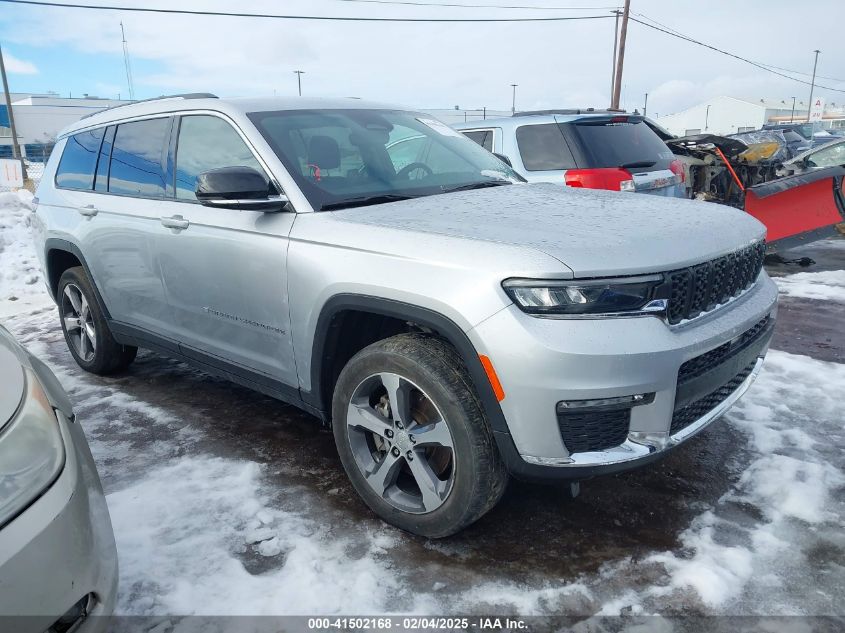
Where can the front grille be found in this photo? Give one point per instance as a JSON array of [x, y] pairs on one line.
[[702, 364], [585, 431], [685, 416], [701, 288]]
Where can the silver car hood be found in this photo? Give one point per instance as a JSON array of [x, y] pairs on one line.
[[594, 233]]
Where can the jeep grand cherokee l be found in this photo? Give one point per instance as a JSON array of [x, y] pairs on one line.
[[452, 324]]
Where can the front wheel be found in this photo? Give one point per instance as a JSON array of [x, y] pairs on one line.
[[413, 438]]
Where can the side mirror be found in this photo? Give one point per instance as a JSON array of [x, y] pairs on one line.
[[241, 188], [503, 158]]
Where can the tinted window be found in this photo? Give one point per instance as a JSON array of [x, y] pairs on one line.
[[102, 181], [543, 147], [482, 137], [137, 160], [619, 144], [79, 160], [207, 142]]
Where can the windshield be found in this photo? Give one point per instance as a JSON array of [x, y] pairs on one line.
[[345, 158]]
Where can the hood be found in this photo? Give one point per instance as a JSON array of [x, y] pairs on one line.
[[595, 233]]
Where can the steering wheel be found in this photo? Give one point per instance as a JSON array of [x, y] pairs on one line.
[[406, 171]]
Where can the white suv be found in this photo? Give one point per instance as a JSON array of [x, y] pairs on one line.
[[371, 265]]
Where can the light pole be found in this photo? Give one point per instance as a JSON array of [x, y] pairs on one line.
[[299, 74], [513, 103], [707, 117], [16, 150], [792, 115], [645, 105], [812, 85]]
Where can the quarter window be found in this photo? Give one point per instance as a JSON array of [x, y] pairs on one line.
[[543, 147], [482, 137], [205, 143], [138, 158], [79, 160]]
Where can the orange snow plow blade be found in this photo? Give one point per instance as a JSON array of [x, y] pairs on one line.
[[801, 208]]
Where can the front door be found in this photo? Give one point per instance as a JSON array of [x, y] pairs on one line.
[[225, 270]]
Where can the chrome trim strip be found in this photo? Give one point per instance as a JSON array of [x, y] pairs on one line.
[[648, 443]]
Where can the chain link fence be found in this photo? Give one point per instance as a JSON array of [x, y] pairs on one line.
[[34, 171]]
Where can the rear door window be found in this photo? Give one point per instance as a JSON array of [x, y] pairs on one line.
[[79, 160], [138, 158], [482, 137], [543, 147], [620, 144], [205, 143]]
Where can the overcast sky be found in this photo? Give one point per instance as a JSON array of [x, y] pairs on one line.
[[556, 64]]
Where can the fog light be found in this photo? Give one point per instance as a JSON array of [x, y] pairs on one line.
[[606, 403]]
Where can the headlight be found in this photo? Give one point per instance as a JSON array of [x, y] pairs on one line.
[[32, 452], [593, 296]]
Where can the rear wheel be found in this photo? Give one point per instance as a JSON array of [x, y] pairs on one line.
[[413, 438], [85, 328]]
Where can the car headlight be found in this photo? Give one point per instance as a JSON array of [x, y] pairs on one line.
[[592, 296], [32, 452]]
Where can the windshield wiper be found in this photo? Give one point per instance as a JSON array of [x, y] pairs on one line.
[[637, 164], [478, 185], [365, 201]]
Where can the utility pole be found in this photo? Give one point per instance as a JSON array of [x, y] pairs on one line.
[[513, 103], [299, 74], [617, 81], [615, 45], [127, 64], [645, 105], [16, 149], [792, 116], [812, 85]]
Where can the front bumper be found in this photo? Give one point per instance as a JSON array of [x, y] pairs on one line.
[[543, 361], [60, 551]]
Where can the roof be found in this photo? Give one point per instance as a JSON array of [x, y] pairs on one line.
[[545, 116], [232, 106]]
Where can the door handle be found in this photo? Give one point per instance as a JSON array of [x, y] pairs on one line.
[[89, 210], [175, 222]]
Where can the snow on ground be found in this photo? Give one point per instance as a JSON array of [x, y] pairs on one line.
[[208, 525], [20, 273], [825, 285]]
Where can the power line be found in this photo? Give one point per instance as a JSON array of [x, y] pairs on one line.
[[723, 52], [787, 70], [479, 6], [327, 18]]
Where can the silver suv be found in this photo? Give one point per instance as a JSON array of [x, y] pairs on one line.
[[450, 323]]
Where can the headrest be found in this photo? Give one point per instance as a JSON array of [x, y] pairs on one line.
[[324, 152]]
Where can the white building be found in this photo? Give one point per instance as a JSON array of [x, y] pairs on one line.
[[729, 115], [40, 117]]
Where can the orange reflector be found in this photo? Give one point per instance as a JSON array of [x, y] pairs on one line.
[[492, 377]]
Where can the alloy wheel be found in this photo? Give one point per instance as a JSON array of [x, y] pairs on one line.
[[78, 322], [401, 443]]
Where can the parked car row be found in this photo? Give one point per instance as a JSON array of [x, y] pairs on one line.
[[601, 149]]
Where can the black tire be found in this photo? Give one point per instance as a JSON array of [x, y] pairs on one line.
[[479, 478], [106, 356]]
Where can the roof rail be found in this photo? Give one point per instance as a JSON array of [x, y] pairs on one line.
[[567, 111], [187, 95]]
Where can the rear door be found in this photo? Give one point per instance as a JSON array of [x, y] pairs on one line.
[[225, 270], [118, 213], [628, 143]]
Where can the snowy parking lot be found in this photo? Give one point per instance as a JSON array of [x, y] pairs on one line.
[[228, 502]]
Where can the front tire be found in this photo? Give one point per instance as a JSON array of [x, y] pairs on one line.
[[85, 327], [413, 438]]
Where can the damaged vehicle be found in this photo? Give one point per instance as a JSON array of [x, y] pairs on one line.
[[828, 155], [746, 171]]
